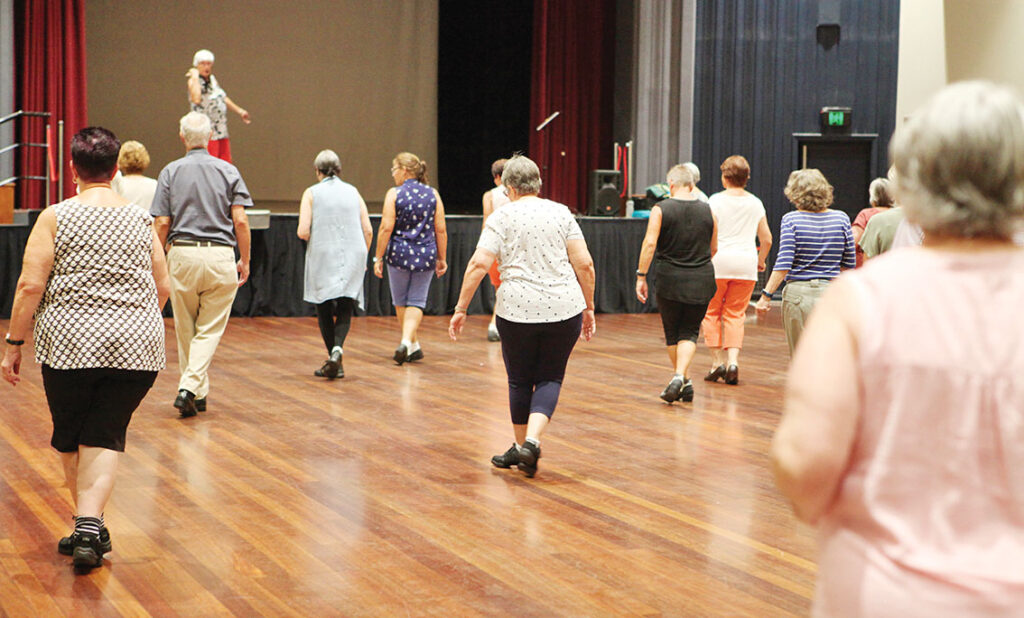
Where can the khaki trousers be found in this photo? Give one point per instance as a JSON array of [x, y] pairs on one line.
[[203, 285], [798, 300]]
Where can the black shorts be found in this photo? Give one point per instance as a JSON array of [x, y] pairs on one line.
[[681, 321], [92, 407]]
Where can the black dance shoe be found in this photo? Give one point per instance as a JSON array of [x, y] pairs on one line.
[[186, 404], [66, 546], [415, 356], [507, 459], [201, 405], [687, 393], [86, 552], [671, 392], [732, 374], [332, 367], [401, 354], [529, 453], [715, 374]]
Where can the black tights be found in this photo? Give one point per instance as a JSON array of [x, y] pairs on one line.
[[335, 317]]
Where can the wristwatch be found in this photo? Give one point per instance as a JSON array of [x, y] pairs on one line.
[[375, 259]]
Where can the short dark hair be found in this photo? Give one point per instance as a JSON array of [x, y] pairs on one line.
[[498, 167], [94, 152]]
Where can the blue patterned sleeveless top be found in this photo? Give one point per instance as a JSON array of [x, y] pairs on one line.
[[413, 244]]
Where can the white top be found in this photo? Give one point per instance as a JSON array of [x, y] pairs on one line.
[[138, 189], [498, 197], [538, 284], [738, 217]]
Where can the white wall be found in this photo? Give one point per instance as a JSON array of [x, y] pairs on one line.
[[985, 40], [922, 63]]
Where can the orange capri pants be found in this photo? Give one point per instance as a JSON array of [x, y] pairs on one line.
[[723, 323], [494, 275]]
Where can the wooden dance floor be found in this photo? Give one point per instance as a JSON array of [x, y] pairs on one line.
[[374, 495]]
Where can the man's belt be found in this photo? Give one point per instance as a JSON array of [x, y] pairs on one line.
[[197, 243]]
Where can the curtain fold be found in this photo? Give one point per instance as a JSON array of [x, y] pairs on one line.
[[51, 78], [573, 56]]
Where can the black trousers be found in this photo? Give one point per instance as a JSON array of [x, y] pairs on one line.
[[535, 359], [335, 317], [681, 321]]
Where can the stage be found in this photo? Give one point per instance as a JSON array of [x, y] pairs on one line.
[[274, 288], [374, 496]]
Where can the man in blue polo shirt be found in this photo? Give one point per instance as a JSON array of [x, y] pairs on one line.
[[199, 211]]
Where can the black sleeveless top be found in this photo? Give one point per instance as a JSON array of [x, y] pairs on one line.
[[683, 270]]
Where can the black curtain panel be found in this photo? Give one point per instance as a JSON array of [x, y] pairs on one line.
[[763, 73]]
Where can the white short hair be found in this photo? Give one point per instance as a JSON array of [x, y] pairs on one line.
[[203, 55], [690, 165], [960, 162], [680, 176], [521, 174], [195, 129]]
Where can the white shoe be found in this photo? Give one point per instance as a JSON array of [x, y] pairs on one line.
[[492, 333]]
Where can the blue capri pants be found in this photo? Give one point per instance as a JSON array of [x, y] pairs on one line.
[[409, 288]]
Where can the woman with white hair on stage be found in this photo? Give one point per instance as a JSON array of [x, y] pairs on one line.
[[902, 433], [207, 97]]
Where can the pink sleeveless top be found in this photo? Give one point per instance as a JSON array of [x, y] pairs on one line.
[[929, 519]]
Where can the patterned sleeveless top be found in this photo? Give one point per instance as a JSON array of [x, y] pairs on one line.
[[413, 244], [100, 307], [212, 104]]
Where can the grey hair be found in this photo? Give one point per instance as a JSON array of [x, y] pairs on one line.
[[521, 174], [690, 165], [879, 194], [960, 162], [681, 175], [808, 190], [327, 163], [203, 55], [195, 129]]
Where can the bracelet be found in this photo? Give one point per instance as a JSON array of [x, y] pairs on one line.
[[640, 274], [459, 309], [10, 341], [375, 259], [765, 292]]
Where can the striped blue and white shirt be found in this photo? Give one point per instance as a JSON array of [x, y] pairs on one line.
[[814, 245]]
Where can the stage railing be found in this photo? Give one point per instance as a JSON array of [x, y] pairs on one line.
[[48, 172]]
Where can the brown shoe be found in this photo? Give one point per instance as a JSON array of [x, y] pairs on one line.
[[715, 374], [732, 374]]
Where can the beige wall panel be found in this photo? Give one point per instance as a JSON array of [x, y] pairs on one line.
[[356, 76], [985, 40], [922, 61]]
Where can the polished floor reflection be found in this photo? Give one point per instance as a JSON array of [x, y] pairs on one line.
[[373, 495]]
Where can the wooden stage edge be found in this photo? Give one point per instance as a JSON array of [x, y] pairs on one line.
[[373, 495]]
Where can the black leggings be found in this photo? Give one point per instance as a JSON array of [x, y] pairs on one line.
[[535, 358], [681, 321], [335, 317]]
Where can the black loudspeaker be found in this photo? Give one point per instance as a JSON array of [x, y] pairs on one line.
[[604, 193]]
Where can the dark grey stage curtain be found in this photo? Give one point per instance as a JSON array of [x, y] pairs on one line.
[[278, 260]]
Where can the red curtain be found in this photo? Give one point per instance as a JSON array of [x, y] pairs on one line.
[[573, 43], [50, 63]]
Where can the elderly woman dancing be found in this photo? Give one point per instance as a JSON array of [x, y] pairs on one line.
[[545, 302], [906, 447], [334, 221], [815, 244], [95, 277]]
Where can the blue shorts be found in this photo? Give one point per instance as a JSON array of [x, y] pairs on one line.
[[409, 288]]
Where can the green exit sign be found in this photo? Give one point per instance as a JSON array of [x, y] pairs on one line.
[[835, 119]]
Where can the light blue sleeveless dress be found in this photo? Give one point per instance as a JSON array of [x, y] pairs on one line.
[[336, 251]]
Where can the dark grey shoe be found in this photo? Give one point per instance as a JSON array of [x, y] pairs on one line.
[[415, 356], [201, 405], [401, 354], [332, 366], [687, 393], [529, 453], [87, 552], [66, 546], [507, 459], [672, 391], [186, 404]]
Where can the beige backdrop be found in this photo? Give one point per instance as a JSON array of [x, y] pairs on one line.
[[356, 76]]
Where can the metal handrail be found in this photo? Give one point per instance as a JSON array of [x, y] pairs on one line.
[[60, 152]]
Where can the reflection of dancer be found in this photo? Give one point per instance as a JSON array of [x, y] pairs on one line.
[[493, 200], [207, 97], [334, 221], [544, 305]]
